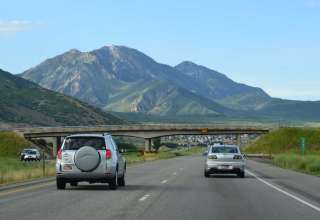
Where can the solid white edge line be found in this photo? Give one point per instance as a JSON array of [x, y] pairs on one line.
[[285, 192]]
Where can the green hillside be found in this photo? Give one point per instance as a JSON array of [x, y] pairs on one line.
[[287, 140], [25, 102], [283, 145], [11, 144]]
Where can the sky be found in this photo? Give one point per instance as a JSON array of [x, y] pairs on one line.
[[272, 44]]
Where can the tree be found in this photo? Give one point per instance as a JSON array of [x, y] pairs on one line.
[[156, 143]]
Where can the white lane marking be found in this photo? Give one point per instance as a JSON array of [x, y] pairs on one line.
[[285, 192], [175, 173], [144, 197], [181, 169], [164, 181]]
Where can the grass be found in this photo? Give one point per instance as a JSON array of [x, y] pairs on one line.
[[308, 163], [11, 168], [287, 140], [14, 170], [283, 144]]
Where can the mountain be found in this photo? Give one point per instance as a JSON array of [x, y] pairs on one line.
[[222, 89], [280, 109], [117, 78], [25, 102], [125, 80]]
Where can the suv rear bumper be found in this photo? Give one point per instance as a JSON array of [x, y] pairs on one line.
[[86, 177]]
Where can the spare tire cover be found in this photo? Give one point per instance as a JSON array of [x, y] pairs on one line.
[[87, 159]]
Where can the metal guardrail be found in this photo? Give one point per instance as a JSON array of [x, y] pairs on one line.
[[259, 156]]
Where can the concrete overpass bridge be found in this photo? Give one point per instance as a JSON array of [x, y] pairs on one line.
[[146, 131]]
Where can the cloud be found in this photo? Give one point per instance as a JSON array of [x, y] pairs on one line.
[[14, 26]]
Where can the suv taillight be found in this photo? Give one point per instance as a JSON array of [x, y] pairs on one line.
[[108, 154], [59, 154]]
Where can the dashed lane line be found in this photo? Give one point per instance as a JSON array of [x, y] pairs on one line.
[[144, 197], [164, 181]]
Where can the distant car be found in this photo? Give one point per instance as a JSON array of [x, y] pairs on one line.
[[224, 159], [30, 155], [90, 158]]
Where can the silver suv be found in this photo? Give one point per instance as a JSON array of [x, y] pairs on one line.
[[224, 159], [30, 155], [91, 158]]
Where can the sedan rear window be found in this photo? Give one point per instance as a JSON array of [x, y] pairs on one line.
[[74, 143], [224, 150]]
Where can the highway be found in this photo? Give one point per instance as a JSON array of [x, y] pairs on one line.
[[174, 189]]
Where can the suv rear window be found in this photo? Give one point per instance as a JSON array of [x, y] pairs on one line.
[[224, 150], [74, 143], [31, 152]]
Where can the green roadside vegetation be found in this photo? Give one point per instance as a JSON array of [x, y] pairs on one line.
[[284, 146], [13, 170], [11, 144]]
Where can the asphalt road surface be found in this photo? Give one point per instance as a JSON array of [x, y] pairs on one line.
[[174, 189]]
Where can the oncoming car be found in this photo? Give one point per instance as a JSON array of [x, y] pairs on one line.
[[224, 159], [30, 155], [90, 158]]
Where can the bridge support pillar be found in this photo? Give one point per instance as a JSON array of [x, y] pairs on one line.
[[56, 146], [239, 139], [147, 144]]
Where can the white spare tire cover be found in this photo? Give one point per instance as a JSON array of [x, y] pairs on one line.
[[87, 159]]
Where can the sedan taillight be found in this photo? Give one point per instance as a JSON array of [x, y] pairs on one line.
[[237, 157], [212, 157]]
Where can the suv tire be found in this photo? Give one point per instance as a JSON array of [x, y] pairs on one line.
[[113, 184], [74, 184], [206, 174], [60, 184], [241, 174], [122, 180]]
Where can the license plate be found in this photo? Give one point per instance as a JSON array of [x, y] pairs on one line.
[[225, 167], [67, 167]]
